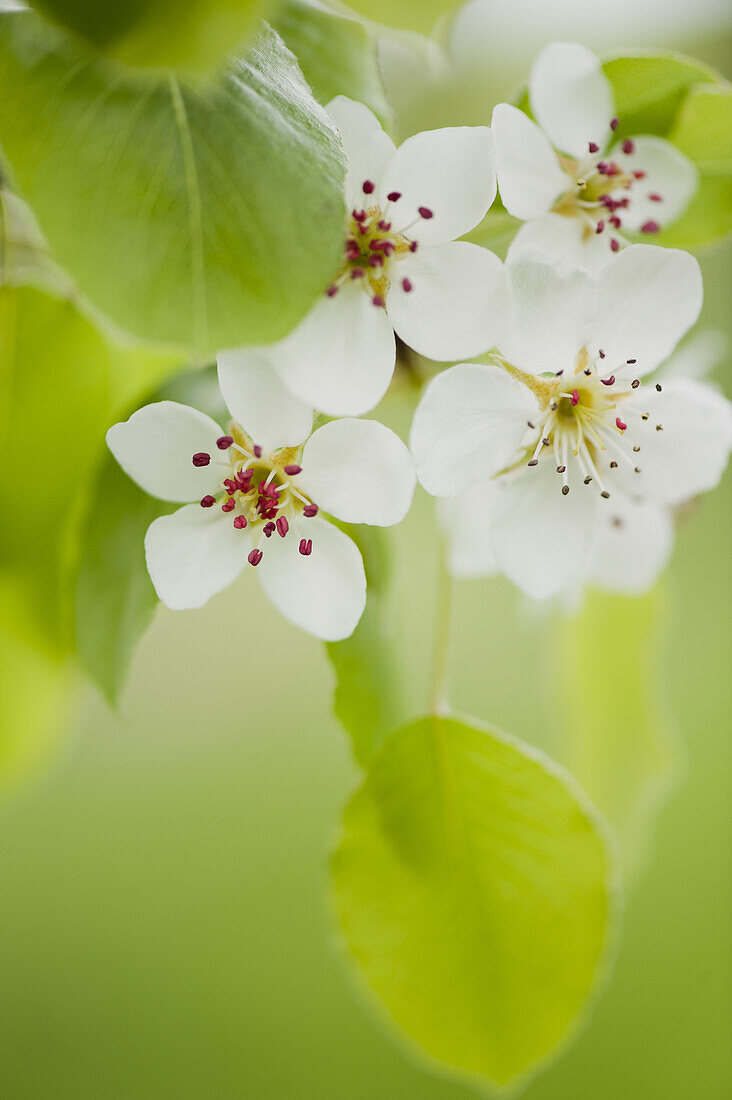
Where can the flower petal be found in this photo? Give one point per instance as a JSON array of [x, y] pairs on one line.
[[561, 241], [451, 173], [530, 177], [541, 538], [552, 318], [669, 174], [257, 399], [634, 547], [648, 298], [466, 522], [359, 471], [324, 593], [458, 305], [341, 357], [697, 357], [193, 554], [571, 97], [689, 455], [368, 149], [156, 446], [469, 424]]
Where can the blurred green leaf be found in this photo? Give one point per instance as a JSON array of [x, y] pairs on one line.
[[413, 15], [473, 889], [367, 699], [617, 735], [649, 88], [207, 216], [25, 259], [703, 131], [336, 53], [189, 34]]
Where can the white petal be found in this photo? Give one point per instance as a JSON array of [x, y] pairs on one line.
[[341, 357], [634, 546], [697, 357], [690, 454], [530, 177], [561, 241], [552, 318], [466, 522], [459, 305], [257, 399], [324, 593], [359, 471], [193, 554], [156, 446], [451, 172], [541, 538], [648, 297], [571, 97], [469, 424], [668, 173], [368, 149]]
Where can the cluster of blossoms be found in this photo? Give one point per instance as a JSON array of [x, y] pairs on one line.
[[559, 461]]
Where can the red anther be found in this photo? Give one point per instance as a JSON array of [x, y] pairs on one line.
[[394, 196], [413, 246], [306, 547], [608, 381], [593, 147], [352, 249], [254, 557], [639, 175], [631, 361], [269, 529], [628, 147], [376, 261], [601, 353], [208, 501], [282, 526], [231, 486], [368, 187], [614, 245], [655, 197], [600, 226], [378, 300], [407, 285], [228, 505], [614, 221], [383, 246], [650, 227], [614, 123], [620, 423], [359, 215], [332, 290], [240, 523], [200, 458], [357, 273], [384, 226], [293, 469], [224, 442], [575, 397], [257, 450], [310, 510], [425, 212]]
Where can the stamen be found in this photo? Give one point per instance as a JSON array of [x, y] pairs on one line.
[[378, 300], [614, 244], [332, 290], [425, 212], [628, 147], [650, 227], [407, 285], [240, 523], [593, 147], [208, 501], [614, 123], [310, 510], [228, 505], [394, 196], [254, 557], [257, 451], [575, 398], [292, 470], [306, 547], [621, 424], [269, 529], [655, 197], [224, 442], [200, 458], [608, 381], [282, 526], [368, 187]]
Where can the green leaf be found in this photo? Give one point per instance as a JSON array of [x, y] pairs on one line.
[[189, 34], [649, 88], [413, 15], [616, 732], [337, 54], [472, 885], [367, 700], [703, 131], [210, 216], [25, 259]]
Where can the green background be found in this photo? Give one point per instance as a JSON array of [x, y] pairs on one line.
[[164, 927]]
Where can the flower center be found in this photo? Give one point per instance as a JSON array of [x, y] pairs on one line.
[[258, 490], [590, 415], [373, 246], [603, 191]]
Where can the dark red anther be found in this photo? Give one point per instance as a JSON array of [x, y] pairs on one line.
[[378, 300], [208, 501], [614, 244], [368, 187], [293, 469], [628, 147], [310, 510], [254, 557], [600, 226], [608, 381], [282, 526], [614, 123], [407, 285], [601, 353], [224, 442], [575, 397], [359, 215], [413, 246], [257, 450], [621, 424], [386, 246], [394, 196], [228, 505], [269, 529], [614, 221], [593, 147], [200, 458], [306, 547], [240, 523], [332, 290], [357, 273], [655, 197], [384, 226], [376, 261], [425, 212], [650, 227], [639, 175]]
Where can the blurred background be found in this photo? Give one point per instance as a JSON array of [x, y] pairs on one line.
[[164, 928]]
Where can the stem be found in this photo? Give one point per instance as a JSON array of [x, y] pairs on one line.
[[438, 692]]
